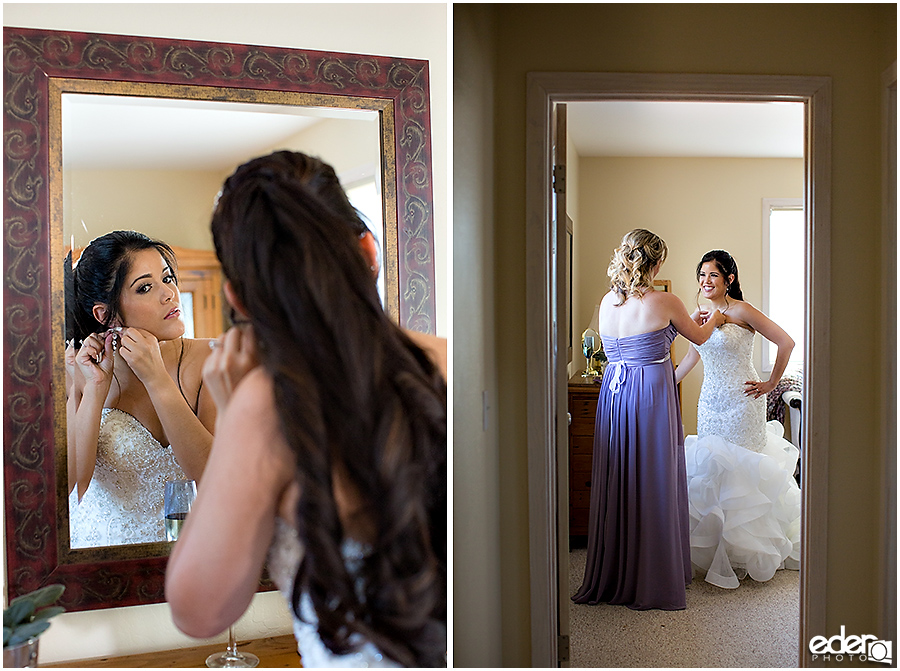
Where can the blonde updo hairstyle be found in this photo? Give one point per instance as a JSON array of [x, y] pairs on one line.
[[632, 262]]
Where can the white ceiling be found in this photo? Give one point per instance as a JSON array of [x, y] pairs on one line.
[[135, 133], [703, 129]]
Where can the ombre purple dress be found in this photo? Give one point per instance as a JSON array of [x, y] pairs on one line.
[[638, 551]]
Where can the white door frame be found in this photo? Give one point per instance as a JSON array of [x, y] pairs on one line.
[[546, 411]]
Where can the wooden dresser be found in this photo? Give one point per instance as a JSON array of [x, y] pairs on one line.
[[583, 393]]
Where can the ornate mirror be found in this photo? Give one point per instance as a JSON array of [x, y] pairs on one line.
[[47, 72]]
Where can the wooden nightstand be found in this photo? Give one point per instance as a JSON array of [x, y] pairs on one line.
[[583, 394]]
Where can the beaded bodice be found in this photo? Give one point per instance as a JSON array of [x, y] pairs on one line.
[[124, 501], [723, 409]]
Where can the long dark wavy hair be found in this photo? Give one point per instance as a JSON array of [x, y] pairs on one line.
[[354, 394], [727, 266]]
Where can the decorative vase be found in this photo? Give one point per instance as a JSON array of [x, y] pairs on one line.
[[23, 655]]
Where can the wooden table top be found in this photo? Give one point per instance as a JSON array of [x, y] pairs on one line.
[[277, 652]]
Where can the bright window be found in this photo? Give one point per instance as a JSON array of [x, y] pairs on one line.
[[365, 196], [784, 257]]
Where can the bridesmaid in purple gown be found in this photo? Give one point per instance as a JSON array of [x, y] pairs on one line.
[[638, 551]]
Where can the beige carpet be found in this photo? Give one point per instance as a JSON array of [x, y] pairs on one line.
[[755, 625]]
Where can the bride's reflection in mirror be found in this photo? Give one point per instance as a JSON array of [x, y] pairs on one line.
[[157, 164], [137, 412]]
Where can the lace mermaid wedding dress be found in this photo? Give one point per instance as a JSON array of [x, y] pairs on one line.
[[744, 501], [123, 503]]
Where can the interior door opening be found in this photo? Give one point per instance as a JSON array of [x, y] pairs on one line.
[[619, 150], [547, 530]]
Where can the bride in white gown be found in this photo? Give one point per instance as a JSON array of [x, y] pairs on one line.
[[137, 412], [744, 501]]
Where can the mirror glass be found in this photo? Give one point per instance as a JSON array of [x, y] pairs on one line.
[[592, 348], [156, 165]]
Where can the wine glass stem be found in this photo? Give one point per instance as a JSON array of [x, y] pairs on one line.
[[232, 644]]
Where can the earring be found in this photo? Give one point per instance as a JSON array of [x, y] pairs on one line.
[[235, 320]]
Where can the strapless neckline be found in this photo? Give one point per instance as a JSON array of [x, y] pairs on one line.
[[638, 335], [752, 332]]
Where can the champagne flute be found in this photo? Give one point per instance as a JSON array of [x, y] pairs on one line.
[[179, 498], [180, 495], [231, 658]]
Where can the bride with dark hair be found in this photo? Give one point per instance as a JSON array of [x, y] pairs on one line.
[[329, 461], [137, 412], [744, 501]]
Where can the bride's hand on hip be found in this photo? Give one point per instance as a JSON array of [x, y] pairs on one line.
[[757, 389], [233, 355]]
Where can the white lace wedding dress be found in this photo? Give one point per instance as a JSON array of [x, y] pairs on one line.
[[284, 559], [123, 503], [744, 501]]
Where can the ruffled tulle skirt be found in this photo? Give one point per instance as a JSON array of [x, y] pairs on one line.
[[744, 508]]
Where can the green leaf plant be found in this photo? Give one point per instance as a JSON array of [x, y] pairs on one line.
[[28, 616]]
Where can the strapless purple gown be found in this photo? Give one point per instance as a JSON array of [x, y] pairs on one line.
[[638, 551]]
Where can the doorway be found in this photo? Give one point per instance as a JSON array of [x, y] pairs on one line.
[[545, 325]]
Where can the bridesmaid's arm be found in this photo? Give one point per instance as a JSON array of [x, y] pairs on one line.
[[686, 326]]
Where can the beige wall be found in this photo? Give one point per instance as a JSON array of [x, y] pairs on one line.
[[409, 31], [477, 567], [695, 205], [169, 205], [175, 205], [347, 144], [852, 44]]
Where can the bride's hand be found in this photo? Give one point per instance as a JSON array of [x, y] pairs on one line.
[[757, 389], [141, 352], [70, 367], [233, 356], [94, 360]]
